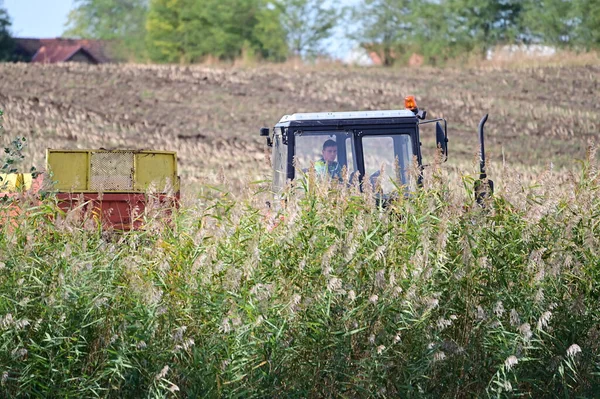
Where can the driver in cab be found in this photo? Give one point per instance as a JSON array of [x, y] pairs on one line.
[[328, 165]]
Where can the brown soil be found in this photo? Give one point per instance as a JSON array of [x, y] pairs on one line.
[[212, 116]]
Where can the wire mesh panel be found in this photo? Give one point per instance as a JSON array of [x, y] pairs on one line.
[[111, 171]]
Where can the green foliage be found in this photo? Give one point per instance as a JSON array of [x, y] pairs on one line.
[[12, 155], [330, 296], [186, 31], [437, 30], [437, 35], [271, 35], [450, 29], [484, 23], [589, 29], [587, 19], [7, 44], [386, 26], [572, 24], [121, 21], [307, 23], [163, 30]]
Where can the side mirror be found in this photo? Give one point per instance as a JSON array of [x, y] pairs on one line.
[[264, 132], [441, 139]]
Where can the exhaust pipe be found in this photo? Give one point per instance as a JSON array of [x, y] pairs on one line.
[[484, 187], [482, 174]]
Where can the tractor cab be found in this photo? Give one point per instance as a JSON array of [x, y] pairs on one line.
[[378, 147]]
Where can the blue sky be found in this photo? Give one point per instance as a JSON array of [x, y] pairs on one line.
[[47, 18], [38, 18]]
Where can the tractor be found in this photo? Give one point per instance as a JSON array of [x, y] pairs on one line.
[[378, 147]]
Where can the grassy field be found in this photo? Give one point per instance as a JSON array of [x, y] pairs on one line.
[[327, 295]]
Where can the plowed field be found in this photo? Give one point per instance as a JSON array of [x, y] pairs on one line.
[[211, 116]]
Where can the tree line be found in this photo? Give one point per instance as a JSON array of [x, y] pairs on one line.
[[188, 31]]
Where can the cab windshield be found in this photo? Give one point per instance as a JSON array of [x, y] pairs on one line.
[[387, 156]]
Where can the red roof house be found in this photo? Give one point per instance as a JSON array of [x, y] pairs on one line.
[[63, 50], [54, 54]]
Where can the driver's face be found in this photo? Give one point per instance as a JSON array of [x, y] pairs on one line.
[[330, 154]]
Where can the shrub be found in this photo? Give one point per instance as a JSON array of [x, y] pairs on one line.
[[12, 155], [328, 296]]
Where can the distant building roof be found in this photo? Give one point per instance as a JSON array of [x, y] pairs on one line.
[[28, 47], [60, 50], [54, 54]]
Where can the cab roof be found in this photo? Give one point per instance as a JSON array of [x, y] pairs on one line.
[[318, 116]]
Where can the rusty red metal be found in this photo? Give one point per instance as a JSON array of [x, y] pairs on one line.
[[119, 211], [10, 210], [61, 53]]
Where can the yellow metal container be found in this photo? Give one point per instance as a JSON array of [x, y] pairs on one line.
[[118, 171], [15, 182]]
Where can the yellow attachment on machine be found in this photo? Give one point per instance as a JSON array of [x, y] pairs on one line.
[[15, 182], [117, 171]]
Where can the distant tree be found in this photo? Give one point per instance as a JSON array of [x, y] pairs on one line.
[[7, 44], [270, 33], [548, 22], [481, 24], [164, 35], [588, 32], [568, 24], [307, 24], [435, 34], [397, 29], [120, 20], [188, 30], [233, 26], [441, 30], [385, 26]]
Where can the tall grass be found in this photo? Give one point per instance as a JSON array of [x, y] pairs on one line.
[[325, 295]]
